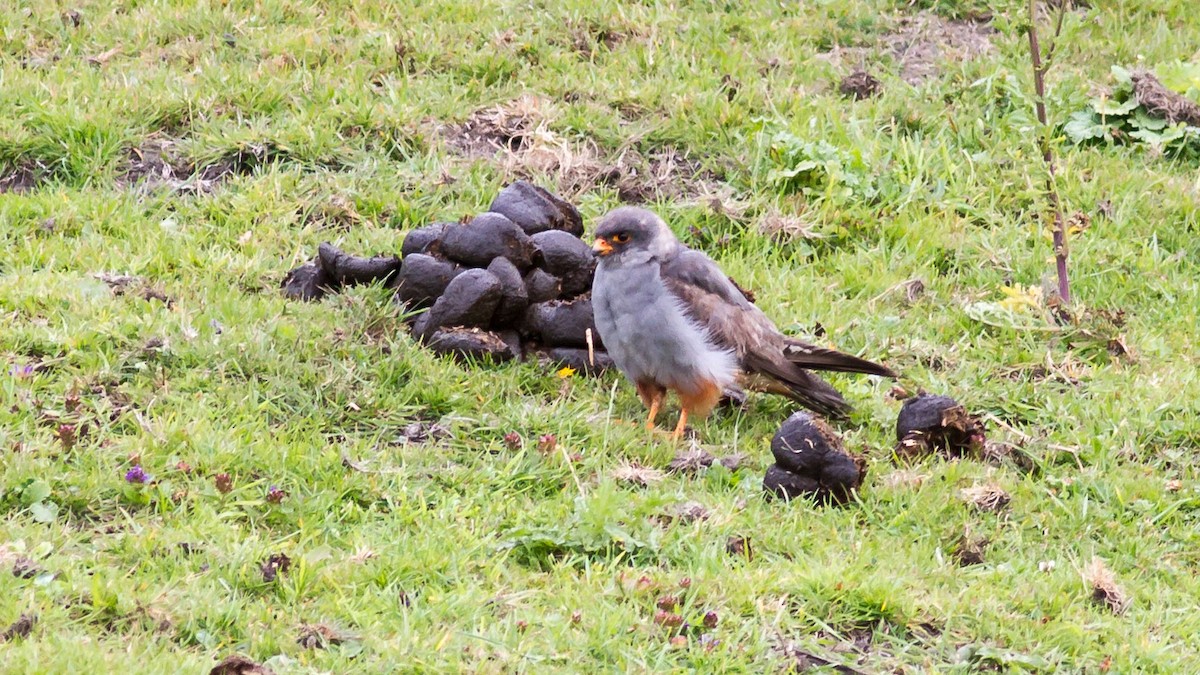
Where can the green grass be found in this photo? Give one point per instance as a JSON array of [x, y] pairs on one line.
[[427, 559]]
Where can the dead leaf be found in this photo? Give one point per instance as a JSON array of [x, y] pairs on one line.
[[103, 57], [989, 497], [690, 461], [1105, 590], [636, 474]]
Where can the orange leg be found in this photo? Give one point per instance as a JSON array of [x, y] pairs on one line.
[[679, 428], [652, 395], [698, 402]]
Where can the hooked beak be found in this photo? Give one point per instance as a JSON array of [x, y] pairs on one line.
[[602, 247]]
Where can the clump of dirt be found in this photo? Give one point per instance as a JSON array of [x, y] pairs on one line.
[[159, 162], [320, 636], [21, 628], [1162, 102], [920, 42], [589, 37], [739, 547], [26, 568], [21, 178], [337, 212], [237, 664], [695, 460], [970, 550], [633, 473], [786, 227], [274, 565], [506, 127], [647, 174], [860, 85], [803, 660], [122, 284], [155, 163]]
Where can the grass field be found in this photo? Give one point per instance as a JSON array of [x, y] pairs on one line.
[[205, 148]]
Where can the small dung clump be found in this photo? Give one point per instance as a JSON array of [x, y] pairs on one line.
[[334, 269], [562, 322], [970, 550], [929, 424], [424, 240], [860, 85], [535, 209], [567, 257], [810, 461], [469, 300], [486, 237], [475, 344], [307, 282], [423, 279]]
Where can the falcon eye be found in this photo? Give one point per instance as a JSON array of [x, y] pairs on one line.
[[621, 237]]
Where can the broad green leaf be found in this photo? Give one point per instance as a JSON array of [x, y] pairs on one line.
[[1145, 120], [44, 512], [1084, 126], [35, 492], [1112, 106], [1147, 136]]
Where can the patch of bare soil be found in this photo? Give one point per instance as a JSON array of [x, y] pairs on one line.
[[518, 136], [589, 37], [21, 178], [159, 162], [919, 43]]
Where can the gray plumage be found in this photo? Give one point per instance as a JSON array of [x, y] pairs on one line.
[[670, 318]]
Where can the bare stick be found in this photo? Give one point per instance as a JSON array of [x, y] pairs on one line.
[[1039, 83]]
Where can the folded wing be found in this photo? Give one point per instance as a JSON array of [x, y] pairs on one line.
[[772, 361]]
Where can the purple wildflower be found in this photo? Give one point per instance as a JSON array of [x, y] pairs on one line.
[[137, 475], [21, 371], [275, 495]]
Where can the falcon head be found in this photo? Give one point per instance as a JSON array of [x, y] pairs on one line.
[[628, 229]]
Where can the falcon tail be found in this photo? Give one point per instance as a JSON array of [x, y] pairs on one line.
[[818, 358], [819, 396], [803, 387]]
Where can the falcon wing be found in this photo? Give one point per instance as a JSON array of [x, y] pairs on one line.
[[714, 302]]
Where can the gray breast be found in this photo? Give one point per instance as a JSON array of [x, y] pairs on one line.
[[647, 333]]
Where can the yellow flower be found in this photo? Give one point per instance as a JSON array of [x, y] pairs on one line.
[[1021, 299], [566, 371]]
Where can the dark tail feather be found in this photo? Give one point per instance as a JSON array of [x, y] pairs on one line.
[[819, 396], [818, 358], [803, 387]]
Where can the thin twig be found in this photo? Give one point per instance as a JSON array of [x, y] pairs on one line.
[[1039, 83], [1058, 24]]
